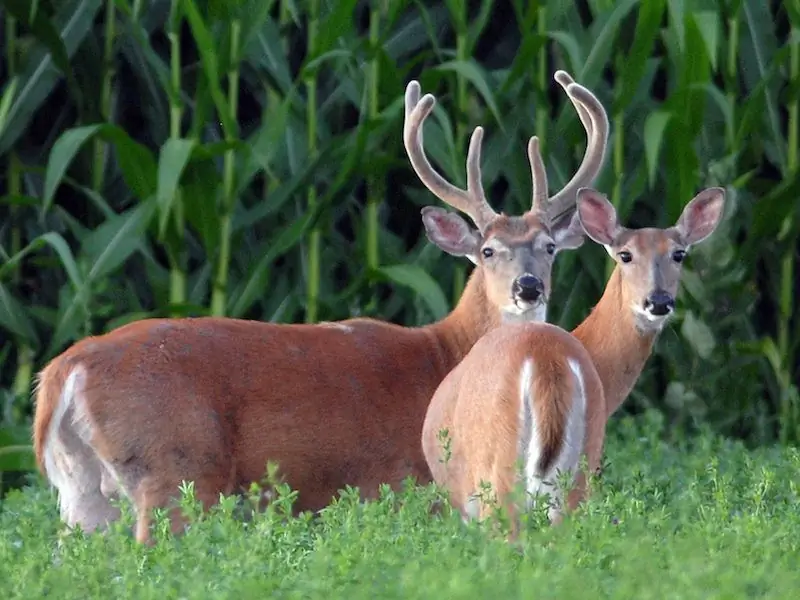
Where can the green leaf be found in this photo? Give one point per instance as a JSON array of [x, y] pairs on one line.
[[708, 24], [265, 141], [14, 319], [106, 248], [677, 12], [74, 20], [257, 280], [416, 278], [16, 451], [6, 102], [648, 24], [201, 189], [334, 26], [263, 50], [725, 107], [311, 68], [172, 160], [57, 243], [44, 30], [654, 127], [110, 245], [602, 41], [478, 24], [570, 45], [286, 191], [699, 335], [14, 435], [771, 212], [478, 78], [61, 156], [17, 458], [19, 200], [136, 162], [255, 13], [457, 10], [756, 56], [210, 61]]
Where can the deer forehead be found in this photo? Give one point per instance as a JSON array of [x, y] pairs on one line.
[[649, 241], [516, 231]]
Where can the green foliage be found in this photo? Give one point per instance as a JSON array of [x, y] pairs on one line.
[[704, 518], [181, 157]]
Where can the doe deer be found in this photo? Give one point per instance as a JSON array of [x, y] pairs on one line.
[[136, 411], [534, 397]]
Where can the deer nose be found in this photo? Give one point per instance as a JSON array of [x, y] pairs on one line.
[[528, 288], [659, 303]]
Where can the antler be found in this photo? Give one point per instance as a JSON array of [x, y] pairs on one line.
[[595, 122], [471, 201], [538, 177]]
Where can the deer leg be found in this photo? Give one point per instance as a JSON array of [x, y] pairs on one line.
[[89, 507], [159, 492]]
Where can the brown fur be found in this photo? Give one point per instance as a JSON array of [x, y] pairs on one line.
[[179, 395], [479, 407], [48, 389], [618, 350]]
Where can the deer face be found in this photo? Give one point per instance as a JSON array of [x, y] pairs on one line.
[[650, 260], [516, 253]]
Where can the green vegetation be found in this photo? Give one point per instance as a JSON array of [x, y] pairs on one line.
[[671, 518]]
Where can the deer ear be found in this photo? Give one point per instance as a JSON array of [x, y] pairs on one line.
[[701, 216], [568, 234], [450, 232], [598, 217]]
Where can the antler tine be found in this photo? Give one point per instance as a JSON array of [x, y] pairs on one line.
[[484, 211], [595, 122], [471, 201], [564, 79], [538, 177]]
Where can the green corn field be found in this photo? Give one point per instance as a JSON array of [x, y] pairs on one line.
[[245, 158]]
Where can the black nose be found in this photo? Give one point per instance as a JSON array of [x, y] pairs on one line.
[[659, 303], [528, 288]]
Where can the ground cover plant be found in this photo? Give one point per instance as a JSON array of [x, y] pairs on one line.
[[674, 517]]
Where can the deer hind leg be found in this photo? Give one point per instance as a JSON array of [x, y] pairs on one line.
[[72, 466], [489, 502], [160, 491]]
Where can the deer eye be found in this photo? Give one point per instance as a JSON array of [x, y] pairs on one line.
[[625, 256], [487, 252], [550, 248], [678, 256]]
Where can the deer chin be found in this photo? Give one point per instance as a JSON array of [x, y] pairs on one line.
[[647, 322], [527, 312]]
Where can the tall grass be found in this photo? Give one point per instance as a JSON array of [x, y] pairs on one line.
[[173, 157]]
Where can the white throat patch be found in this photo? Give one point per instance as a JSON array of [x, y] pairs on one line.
[[514, 314], [647, 321]]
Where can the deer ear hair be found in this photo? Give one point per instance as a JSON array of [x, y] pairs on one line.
[[701, 216], [598, 217], [568, 234], [450, 232]]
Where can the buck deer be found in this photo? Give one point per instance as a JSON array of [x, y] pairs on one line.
[[136, 411], [531, 395]]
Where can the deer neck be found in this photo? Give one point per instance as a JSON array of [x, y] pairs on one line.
[[469, 320], [619, 349]]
